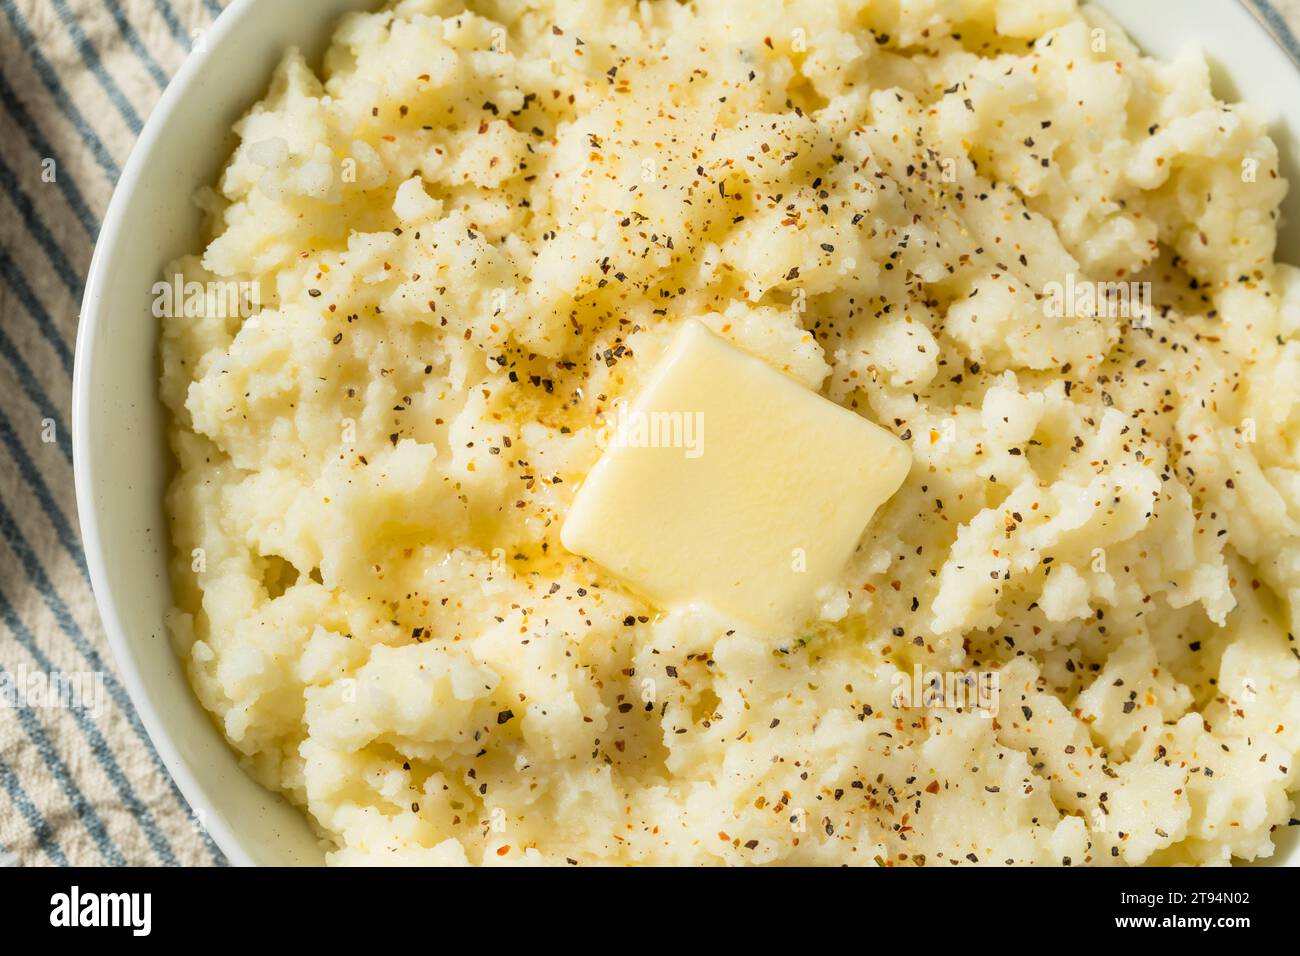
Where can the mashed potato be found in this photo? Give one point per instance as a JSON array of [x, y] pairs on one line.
[[478, 231]]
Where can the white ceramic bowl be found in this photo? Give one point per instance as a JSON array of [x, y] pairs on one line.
[[121, 461]]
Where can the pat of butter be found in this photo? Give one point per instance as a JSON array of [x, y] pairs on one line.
[[728, 483]]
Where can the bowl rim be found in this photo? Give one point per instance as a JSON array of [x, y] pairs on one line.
[[111, 233], [1267, 21]]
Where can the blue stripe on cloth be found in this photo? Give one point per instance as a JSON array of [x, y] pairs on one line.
[[90, 57], [127, 29], [10, 531], [67, 537], [70, 277], [37, 735], [41, 146], [1280, 27], [214, 9], [35, 393], [174, 25], [95, 740], [33, 816], [11, 274], [50, 80]]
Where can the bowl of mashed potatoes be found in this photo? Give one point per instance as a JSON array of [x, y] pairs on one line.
[[710, 434]]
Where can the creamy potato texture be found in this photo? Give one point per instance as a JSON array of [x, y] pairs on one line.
[[475, 231]]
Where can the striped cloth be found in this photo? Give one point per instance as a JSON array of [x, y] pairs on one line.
[[79, 784], [79, 781]]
